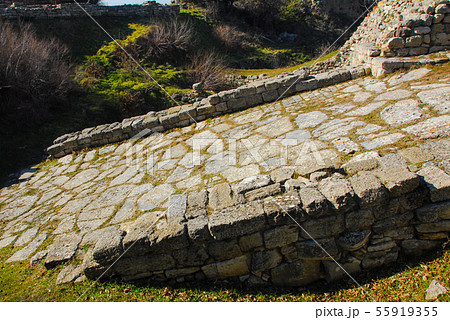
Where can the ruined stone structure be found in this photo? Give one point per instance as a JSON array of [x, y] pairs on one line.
[[305, 177], [68, 10]]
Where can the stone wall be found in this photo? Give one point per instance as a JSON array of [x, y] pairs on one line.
[[66, 10], [399, 29], [246, 96], [365, 219]]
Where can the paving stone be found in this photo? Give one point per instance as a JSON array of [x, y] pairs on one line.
[[7, 241], [315, 161], [264, 192], [399, 181], [345, 145], [416, 155], [220, 162], [340, 108], [437, 181], [431, 128], [276, 128], [362, 97], [252, 182], [81, 178], [394, 95], [370, 128], [310, 119], [68, 274], [367, 109], [66, 225], [125, 177], [438, 98], [402, 112], [249, 117], [90, 225], [100, 213], [294, 137], [126, 211], [62, 249], [25, 253], [26, 237], [237, 221], [337, 128], [382, 141], [410, 76], [111, 197], [234, 174], [179, 174], [155, 198]]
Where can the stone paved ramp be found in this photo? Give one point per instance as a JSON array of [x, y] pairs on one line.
[[94, 199]]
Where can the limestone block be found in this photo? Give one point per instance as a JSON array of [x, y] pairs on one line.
[[441, 226], [323, 227], [220, 196], [297, 273], [369, 190], [395, 43], [250, 241], [414, 41], [144, 264], [251, 183], [264, 192], [334, 272], [418, 247], [314, 203], [358, 220], [237, 221], [265, 260], [437, 182], [198, 228], [109, 246], [352, 241], [393, 222], [339, 192], [63, 249], [194, 255], [168, 236], [399, 181], [434, 212], [280, 236], [233, 268], [324, 249], [283, 209], [224, 250]]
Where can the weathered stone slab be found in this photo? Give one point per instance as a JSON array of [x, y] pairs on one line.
[[313, 202], [265, 260], [434, 212], [298, 273], [175, 273], [194, 255], [438, 98], [441, 226], [334, 272], [435, 290], [431, 128], [339, 192], [437, 181], [237, 221], [108, 247], [352, 241], [252, 183], [323, 249], [63, 249], [369, 190], [393, 222], [233, 268], [26, 236], [250, 241], [283, 209], [198, 228], [264, 192], [416, 155], [220, 196], [144, 264], [224, 250], [324, 227], [310, 119], [24, 253], [363, 162], [280, 236], [418, 247], [168, 236], [402, 112], [399, 181], [68, 274], [358, 220], [177, 206]]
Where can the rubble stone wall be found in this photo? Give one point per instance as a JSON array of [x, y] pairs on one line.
[[250, 231], [70, 10]]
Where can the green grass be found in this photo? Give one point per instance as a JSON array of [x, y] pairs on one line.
[[400, 282]]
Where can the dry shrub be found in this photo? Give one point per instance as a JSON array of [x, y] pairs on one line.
[[209, 70], [231, 37], [35, 72], [168, 40]]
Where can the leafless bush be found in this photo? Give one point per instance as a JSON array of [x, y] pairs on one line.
[[231, 37], [167, 39], [34, 71], [209, 70]]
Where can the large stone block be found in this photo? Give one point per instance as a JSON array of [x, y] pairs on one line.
[[392, 223], [63, 249], [437, 181], [369, 190], [237, 221], [198, 228], [339, 192], [283, 209], [434, 212], [323, 227], [136, 240], [109, 246], [265, 260], [298, 273], [280, 236], [220, 196], [251, 241], [418, 247], [264, 192], [399, 181], [441, 226], [323, 249], [334, 271], [224, 250], [168, 236], [359, 220], [314, 203], [144, 264], [233, 268], [252, 183], [194, 255]]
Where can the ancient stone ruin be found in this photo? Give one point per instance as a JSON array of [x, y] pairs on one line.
[[280, 182]]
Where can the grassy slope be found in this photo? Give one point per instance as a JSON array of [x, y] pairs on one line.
[[400, 282]]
